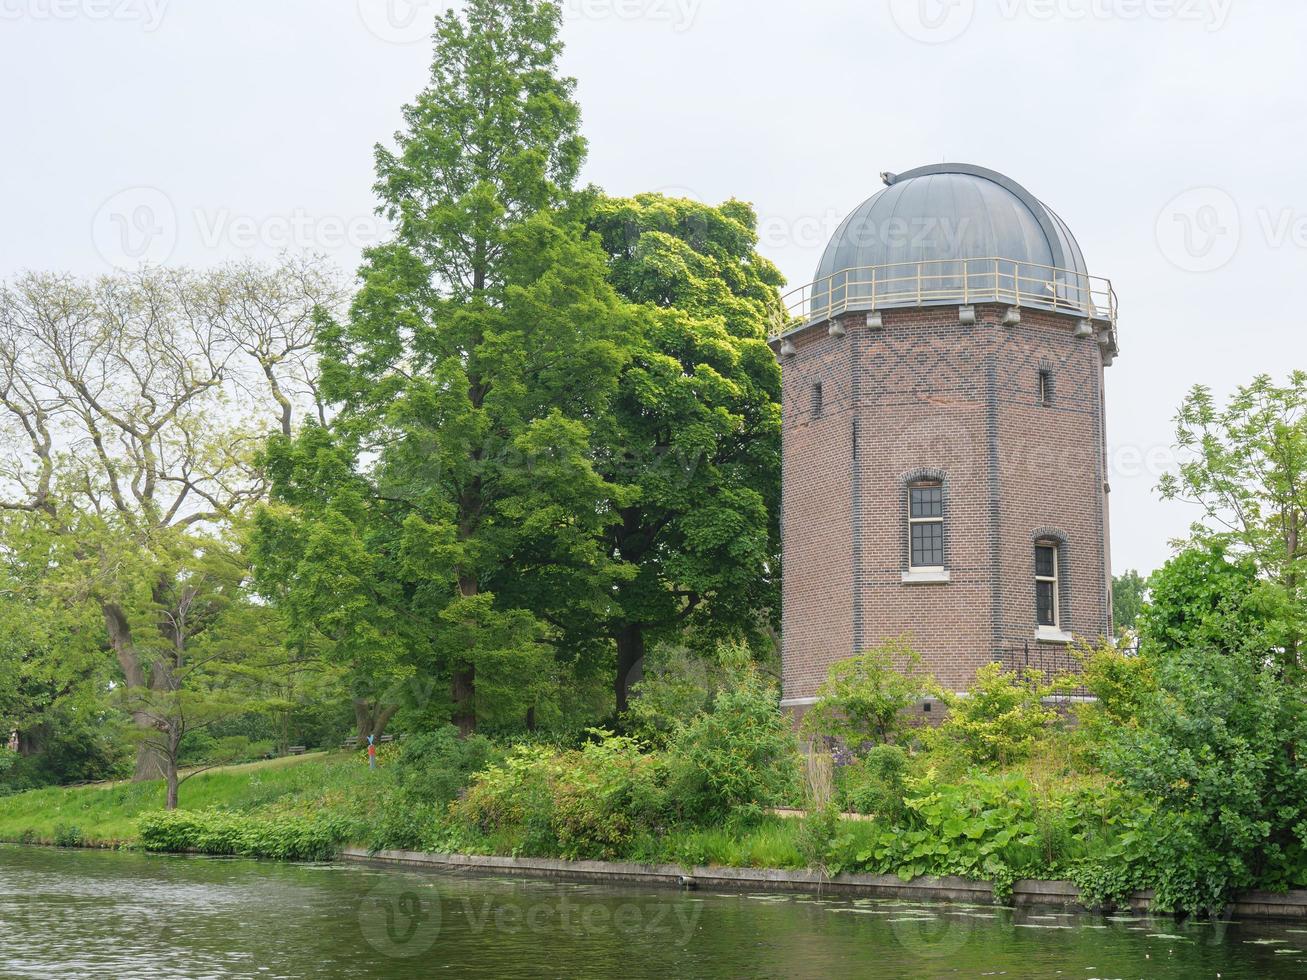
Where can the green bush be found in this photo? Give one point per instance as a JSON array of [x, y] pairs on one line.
[[513, 802], [1214, 755], [874, 784], [742, 753], [864, 698], [606, 796], [999, 719], [677, 685], [994, 828], [283, 838], [430, 770], [67, 835], [595, 802]]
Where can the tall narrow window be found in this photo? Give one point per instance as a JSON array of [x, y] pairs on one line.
[[1046, 598], [926, 524], [1046, 387], [816, 398]]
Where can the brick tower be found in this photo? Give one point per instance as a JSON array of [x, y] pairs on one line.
[[944, 471]]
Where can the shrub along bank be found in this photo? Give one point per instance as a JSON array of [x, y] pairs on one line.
[[1182, 777]]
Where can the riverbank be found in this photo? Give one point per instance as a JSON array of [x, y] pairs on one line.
[[1026, 893], [108, 814]]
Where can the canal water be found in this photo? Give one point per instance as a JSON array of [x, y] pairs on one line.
[[125, 915]]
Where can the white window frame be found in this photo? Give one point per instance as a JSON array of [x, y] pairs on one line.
[[1056, 625], [925, 485]]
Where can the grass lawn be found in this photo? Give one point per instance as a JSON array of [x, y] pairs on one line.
[[106, 813]]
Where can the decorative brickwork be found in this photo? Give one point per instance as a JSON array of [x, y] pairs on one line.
[[928, 397]]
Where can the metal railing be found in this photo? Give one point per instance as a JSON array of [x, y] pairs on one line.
[[933, 282], [1056, 663]]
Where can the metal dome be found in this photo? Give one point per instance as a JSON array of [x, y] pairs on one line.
[[953, 233]]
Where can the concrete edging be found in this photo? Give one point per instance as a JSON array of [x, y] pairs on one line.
[[1025, 893]]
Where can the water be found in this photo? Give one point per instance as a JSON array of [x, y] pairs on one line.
[[92, 914]]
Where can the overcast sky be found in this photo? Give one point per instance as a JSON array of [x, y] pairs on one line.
[[1169, 134]]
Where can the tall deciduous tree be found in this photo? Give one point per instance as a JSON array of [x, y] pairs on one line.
[[483, 339], [132, 411], [695, 431], [1246, 467]]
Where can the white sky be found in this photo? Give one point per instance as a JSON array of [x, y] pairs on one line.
[[1170, 134]]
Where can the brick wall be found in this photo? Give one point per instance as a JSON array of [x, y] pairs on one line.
[[927, 394]]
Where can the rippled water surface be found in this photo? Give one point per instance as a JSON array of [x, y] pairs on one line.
[[91, 914]]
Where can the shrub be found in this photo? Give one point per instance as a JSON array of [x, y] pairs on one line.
[[742, 753], [514, 800], [1214, 757], [677, 685], [67, 835], [875, 784], [607, 795], [999, 720], [864, 697], [284, 838]]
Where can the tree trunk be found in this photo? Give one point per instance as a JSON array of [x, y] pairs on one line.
[[371, 718], [630, 662], [151, 760], [463, 688], [173, 783]]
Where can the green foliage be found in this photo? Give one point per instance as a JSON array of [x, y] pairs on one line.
[[450, 523], [999, 719], [1213, 752], [590, 803], [1122, 685], [428, 773], [606, 797], [677, 685], [693, 434], [864, 697], [1127, 598], [1245, 465], [223, 833], [742, 753], [875, 783], [67, 835], [1205, 598]]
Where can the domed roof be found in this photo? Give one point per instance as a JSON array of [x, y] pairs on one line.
[[951, 211], [947, 230]]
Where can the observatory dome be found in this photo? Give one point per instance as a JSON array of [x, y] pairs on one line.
[[950, 233]]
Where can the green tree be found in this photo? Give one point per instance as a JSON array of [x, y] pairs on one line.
[[694, 432], [483, 338], [1127, 596], [863, 698], [131, 409], [1204, 598], [1246, 467]]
